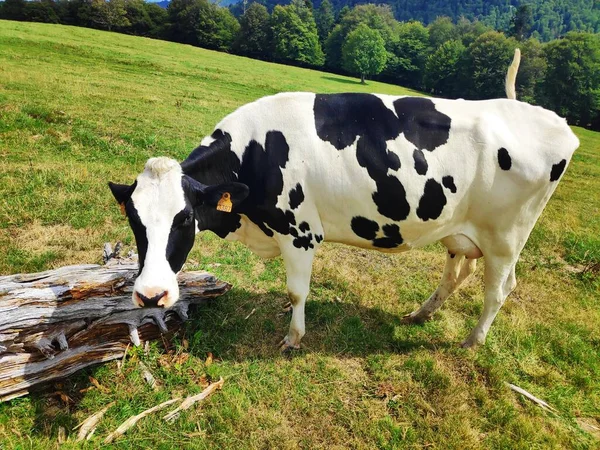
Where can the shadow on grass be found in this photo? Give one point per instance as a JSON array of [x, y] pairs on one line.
[[332, 328], [340, 80]]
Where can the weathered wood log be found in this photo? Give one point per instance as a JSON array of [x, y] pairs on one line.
[[57, 322]]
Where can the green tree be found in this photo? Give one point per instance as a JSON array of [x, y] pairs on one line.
[[13, 10], [109, 14], [41, 11], [252, 40], [487, 60], [216, 27], [325, 19], [443, 74], [520, 24], [441, 30], [410, 50], [146, 19], [295, 35], [376, 17], [532, 71], [202, 23], [572, 83], [364, 52]]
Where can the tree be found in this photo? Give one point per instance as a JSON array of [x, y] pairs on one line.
[[441, 30], [376, 17], [109, 14], [572, 83], [295, 35], [201, 23], [487, 60], [520, 25], [216, 27], [252, 40], [41, 11], [325, 19], [146, 19], [364, 52], [532, 71], [410, 51], [13, 10], [443, 74]]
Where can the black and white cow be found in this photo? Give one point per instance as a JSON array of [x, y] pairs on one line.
[[374, 171]]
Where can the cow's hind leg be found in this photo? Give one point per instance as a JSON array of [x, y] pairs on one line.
[[500, 280], [298, 266], [456, 270]]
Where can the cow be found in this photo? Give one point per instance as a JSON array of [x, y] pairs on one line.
[[287, 172]]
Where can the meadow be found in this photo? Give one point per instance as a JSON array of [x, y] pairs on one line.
[[80, 107]]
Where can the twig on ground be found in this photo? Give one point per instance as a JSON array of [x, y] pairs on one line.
[[148, 376], [170, 417], [135, 419], [251, 312], [541, 403], [88, 426]]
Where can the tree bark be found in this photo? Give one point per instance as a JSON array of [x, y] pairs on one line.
[[57, 322]]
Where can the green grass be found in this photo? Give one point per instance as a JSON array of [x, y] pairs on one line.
[[80, 107]]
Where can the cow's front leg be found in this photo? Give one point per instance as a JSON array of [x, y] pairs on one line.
[[298, 267]]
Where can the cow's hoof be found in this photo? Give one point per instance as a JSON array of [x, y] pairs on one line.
[[286, 347], [409, 319], [471, 343]]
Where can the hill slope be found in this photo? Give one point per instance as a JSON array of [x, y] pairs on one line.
[[79, 107]]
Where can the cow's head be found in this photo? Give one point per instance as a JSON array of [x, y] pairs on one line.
[[163, 206]]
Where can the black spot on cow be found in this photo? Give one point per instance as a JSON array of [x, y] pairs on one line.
[[392, 237], [557, 170], [318, 238], [304, 227], [296, 196], [342, 118], [448, 183], [261, 170], [364, 228], [304, 242], [293, 231], [504, 159], [393, 161], [432, 202], [420, 162], [368, 229], [423, 125]]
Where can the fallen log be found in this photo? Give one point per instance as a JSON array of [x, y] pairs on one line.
[[57, 322]]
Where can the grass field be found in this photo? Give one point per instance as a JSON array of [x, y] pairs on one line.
[[80, 107]]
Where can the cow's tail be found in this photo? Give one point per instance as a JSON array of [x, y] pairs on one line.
[[511, 76]]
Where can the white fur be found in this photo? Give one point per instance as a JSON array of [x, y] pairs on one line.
[[157, 198]]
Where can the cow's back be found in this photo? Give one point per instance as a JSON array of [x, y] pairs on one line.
[[397, 172]]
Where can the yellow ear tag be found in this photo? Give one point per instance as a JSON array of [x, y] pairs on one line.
[[225, 204]]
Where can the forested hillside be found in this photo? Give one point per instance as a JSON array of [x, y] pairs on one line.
[[549, 18]]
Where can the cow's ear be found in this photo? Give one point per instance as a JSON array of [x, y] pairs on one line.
[[122, 193], [223, 197]]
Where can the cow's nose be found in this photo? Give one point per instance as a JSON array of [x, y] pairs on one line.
[[150, 302]]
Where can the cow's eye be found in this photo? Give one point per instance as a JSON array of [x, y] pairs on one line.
[[188, 219], [183, 219]]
